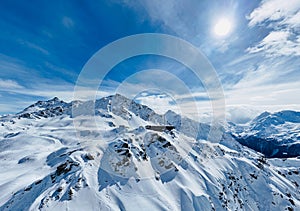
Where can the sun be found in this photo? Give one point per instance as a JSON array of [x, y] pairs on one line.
[[223, 27]]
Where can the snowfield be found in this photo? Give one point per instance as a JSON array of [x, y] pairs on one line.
[[53, 158]]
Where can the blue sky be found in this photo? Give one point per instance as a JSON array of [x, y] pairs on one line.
[[45, 44]]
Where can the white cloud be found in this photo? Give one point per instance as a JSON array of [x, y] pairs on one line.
[[261, 73], [242, 104], [9, 84], [282, 17], [242, 113], [32, 83], [9, 108], [275, 10], [293, 21], [159, 102], [265, 95], [10, 65], [278, 43]]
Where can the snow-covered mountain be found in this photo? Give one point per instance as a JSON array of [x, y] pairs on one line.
[[274, 134], [99, 156]]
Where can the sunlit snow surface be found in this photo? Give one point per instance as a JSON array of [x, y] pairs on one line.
[[117, 164]]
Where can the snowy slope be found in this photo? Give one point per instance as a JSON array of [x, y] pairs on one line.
[[116, 164]]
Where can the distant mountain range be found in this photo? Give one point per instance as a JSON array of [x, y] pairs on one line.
[[274, 135]]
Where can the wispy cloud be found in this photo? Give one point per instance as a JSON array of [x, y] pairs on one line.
[[67, 22], [278, 43], [33, 46], [189, 19], [282, 18], [9, 84], [47, 91], [153, 79], [21, 85], [9, 108], [159, 102], [16, 74], [276, 11]]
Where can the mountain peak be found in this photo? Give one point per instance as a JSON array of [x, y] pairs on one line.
[[267, 119], [289, 115], [46, 108], [261, 116], [55, 99]]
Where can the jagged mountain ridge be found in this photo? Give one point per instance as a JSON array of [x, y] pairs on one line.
[[119, 105], [46, 167], [274, 135]]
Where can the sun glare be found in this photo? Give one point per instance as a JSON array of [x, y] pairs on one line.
[[223, 27]]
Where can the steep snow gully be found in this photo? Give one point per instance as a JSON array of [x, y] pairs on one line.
[[110, 161]]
